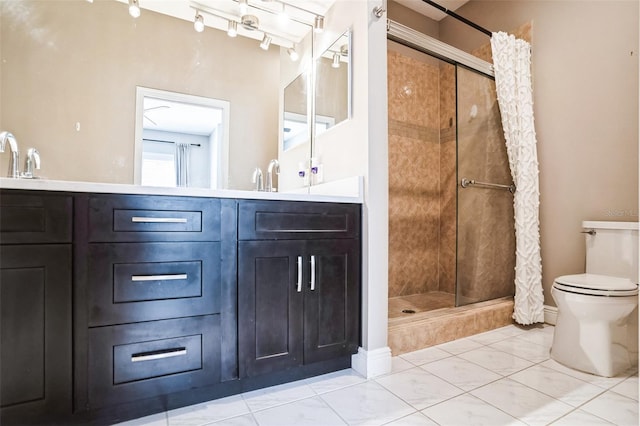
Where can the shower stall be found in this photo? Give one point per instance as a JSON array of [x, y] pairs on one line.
[[451, 221]]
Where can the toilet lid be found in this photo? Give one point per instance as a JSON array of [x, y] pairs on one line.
[[599, 285]]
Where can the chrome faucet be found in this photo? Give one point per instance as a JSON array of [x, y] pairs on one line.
[[257, 179], [15, 154], [273, 164], [31, 161]]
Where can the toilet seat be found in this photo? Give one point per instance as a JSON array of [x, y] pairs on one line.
[[596, 285]]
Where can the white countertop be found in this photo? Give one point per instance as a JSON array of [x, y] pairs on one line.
[[351, 194]]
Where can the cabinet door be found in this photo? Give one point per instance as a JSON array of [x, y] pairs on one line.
[[332, 300], [35, 332], [270, 305]]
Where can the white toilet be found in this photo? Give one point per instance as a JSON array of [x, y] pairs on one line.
[[597, 324]]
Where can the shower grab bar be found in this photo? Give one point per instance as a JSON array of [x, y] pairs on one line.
[[465, 183]]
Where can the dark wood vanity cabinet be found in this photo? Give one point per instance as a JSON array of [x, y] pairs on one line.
[[35, 306], [114, 307], [298, 297], [149, 292]]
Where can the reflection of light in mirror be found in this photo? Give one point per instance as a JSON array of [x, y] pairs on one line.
[[336, 61], [293, 53]]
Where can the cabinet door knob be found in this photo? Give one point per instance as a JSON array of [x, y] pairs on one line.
[[299, 284], [313, 272]]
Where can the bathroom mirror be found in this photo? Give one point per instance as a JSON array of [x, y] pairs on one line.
[[295, 127], [333, 84], [70, 71], [181, 140]]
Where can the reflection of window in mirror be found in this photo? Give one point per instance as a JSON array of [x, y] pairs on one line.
[[181, 140], [296, 130]]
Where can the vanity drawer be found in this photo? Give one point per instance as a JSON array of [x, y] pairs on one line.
[[142, 360], [150, 281], [278, 220], [128, 218], [35, 218]]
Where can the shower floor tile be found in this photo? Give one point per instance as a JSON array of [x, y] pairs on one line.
[[420, 303]]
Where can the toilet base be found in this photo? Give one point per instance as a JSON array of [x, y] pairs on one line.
[[597, 345]]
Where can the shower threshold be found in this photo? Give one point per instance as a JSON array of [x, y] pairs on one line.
[[411, 332]]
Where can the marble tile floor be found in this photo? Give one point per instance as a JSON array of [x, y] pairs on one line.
[[501, 377]]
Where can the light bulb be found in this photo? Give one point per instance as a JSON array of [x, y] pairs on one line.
[[336, 60], [232, 31], [244, 5], [198, 23], [134, 8], [318, 24], [283, 16], [293, 54], [266, 41]]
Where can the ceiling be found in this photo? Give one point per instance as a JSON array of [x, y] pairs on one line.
[[430, 11], [178, 117]]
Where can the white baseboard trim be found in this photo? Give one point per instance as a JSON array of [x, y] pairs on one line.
[[372, 363], [550, 314]]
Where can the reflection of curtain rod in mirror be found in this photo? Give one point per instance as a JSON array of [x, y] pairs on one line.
[[159, 140]]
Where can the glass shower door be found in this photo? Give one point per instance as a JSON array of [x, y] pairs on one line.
[[485, 222]]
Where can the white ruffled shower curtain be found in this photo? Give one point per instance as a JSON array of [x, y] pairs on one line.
[[512, 67]]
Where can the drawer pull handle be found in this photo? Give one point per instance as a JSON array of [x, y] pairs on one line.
[[299, 284], [172, 277], [164, 353], [138, 219], [313, 273]]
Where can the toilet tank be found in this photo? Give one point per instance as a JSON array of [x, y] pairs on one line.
[[613, 249]]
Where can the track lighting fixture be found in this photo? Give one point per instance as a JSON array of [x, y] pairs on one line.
[[293, 54], [232, 30], [286, 13], [134, 8], [266, 41], [249, 22], [198, 22], [318, 24], [336, 60]]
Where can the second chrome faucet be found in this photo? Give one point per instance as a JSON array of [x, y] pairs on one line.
[[260, 185]]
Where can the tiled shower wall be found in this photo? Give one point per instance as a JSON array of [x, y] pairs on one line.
[[422, 181], [421, 177]]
